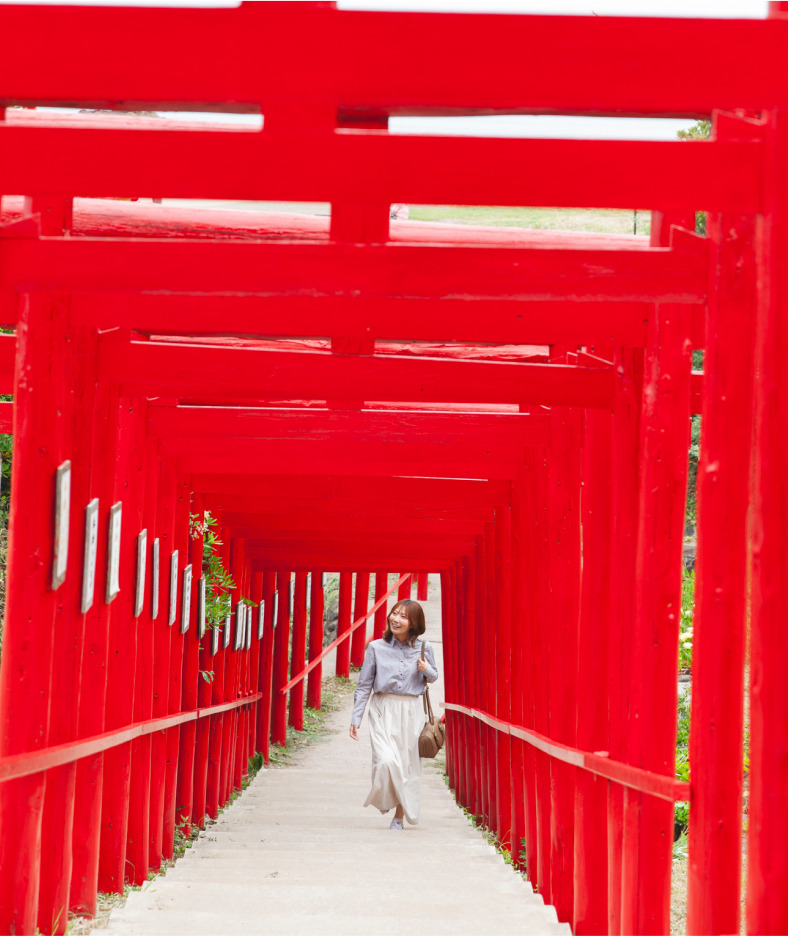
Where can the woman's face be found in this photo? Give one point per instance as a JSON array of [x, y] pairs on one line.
[[399, 622]]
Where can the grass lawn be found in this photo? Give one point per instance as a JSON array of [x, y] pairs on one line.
[[607, 221]]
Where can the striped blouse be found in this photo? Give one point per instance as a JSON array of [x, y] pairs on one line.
[[391, 666]]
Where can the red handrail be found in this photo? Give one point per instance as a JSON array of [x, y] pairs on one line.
[[599, 763], [32, 762], [354, 626]]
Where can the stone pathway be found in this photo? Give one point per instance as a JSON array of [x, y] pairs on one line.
[[297, 854]]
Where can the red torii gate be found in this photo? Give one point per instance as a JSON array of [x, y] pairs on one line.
[[104, 714]]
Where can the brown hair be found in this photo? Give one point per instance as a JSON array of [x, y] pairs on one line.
[[415, 614]]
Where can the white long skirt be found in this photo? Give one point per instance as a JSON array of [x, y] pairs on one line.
[[395, 723]]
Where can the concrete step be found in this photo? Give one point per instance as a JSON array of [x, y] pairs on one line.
[[297, 855]]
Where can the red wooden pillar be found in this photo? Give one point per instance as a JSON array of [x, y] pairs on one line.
[[521, 705], [590, 843], [648, 822], [360, 607], [714, 840], [562, 637], [767, 858], [422, 586], [202, 739], [404, 591], [29, 617], [267, 665], [138, 847], [93, 677], [191, 666], [281, 662], [344, 622], [255, 659], [316, 608], [121, 670], [180, 531], [69, 637], [164, 531], [232, 661], [381, 587], [504, 652], [625, 442], [296, 716]]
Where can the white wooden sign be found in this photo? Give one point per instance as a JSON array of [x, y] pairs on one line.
[[173, 609], [275, 603], [201, 608], [89, 559], [142, 565], [186, 598], [227, 623], [62, 511], [240, 625], [260, 620], [113, 552], [214, 640], [155, 578], [249, 629]]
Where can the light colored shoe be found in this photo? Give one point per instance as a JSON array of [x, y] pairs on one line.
[[396, 825]]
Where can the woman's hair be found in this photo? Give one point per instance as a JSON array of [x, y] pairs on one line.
[[415, 614]]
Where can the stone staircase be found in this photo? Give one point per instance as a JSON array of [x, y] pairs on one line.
[[297, 854]]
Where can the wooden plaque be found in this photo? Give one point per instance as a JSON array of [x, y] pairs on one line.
[[275, 603], [113, 552], [155, 578], [240, 625], [201, 608], [186, 598], [214, 639], [249, 629], [260, 620], [227, 623], [89, 559], [173, 608], [62, 509], [142, 563]]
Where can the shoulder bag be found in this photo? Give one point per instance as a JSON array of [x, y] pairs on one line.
[[433, 734]]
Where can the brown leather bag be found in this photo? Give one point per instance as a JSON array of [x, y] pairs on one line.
[[433, 734]]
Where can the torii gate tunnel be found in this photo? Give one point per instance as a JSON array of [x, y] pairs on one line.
[[508, 409]]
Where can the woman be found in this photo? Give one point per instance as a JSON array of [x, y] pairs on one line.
[[393, 667]]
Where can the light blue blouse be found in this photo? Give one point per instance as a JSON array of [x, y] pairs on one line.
[[391, 666]]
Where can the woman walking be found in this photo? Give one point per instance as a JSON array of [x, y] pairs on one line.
[[397, 667]]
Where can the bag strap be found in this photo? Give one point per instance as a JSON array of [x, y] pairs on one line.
[[426, 695]]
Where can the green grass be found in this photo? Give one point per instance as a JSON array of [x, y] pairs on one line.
[[606, 221]]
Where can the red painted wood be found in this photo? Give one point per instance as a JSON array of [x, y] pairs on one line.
[[298, 657], [590, 845], [28, 631], [197, 370], [343, 622], [362, 173], [339, 63], [281, 660], [121, 669], [316, 610], [368, 271], [652, 733], [92, 721], [507, 321], [360, 605], [381, 587], [767, 907], [714, 840], [266, 666], [218, 696]]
